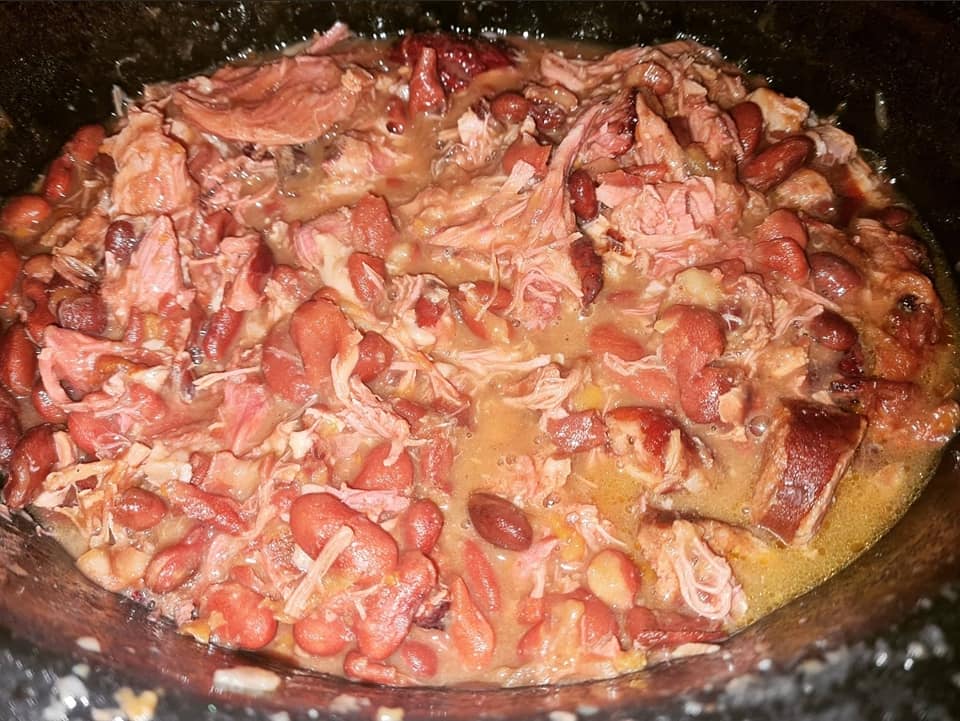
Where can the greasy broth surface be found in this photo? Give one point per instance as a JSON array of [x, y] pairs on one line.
[[502, 446]]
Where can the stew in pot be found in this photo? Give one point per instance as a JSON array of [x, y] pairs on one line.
[[448, 360]]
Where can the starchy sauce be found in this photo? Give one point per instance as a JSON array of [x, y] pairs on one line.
[[443, 360]]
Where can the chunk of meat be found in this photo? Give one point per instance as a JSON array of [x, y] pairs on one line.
[[808, 449], [154, 272], [290, 101], [152, 172]]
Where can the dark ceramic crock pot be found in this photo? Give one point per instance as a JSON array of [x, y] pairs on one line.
[[889, 72]]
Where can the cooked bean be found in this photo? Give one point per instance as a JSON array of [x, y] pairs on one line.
[[9, 433], [613, 578], [24, 214], [547, 116], [221, 330], [775, 164], [376, 475], [895, 217], [833, 331], [650, 75], [18, 361], [138, 509], [749, 122], [121, 240], [85, 313], [246, 621], [173, 566], [59, 180], [33, 458], [499, 522], [510, 107], [583, 195], [322, 633], [9, 267], [420, 525], [833, 276]]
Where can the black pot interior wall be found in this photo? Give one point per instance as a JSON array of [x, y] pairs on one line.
[[59, 62]]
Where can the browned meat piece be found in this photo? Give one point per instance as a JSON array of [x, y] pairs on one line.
[[809, 448]]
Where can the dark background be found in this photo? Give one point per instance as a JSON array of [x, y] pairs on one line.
[[58, 63]]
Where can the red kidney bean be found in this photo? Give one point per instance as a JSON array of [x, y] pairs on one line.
[[583, 195], [547, 116], [427, 312], [749, 122], [783, 223], [589, 267], [18, 361], [322, 633], [9, 267], [375, 232], [220, 332], [650, 75], [535, 155], [247, 623], [220, 511], [914, 323], [9, 432], [57, 184], [85, 313], [480, 578], [895, 217], [426, 92], [359, 267], [783, 255], [613, 578], [499, 522], [121, 240], [376, 355], [471, 633], [833, 331], [138, 509], [510, 107], [84, 146], [23, 215], [174, 566], [436, 462], [319, 330], [577, 432], [772, 166], [485, 290], [421, 660], [598, 623], [358, 666], [32, 459], [315, 517], [375, 475], [388, 612], [420, 525], [44, 405], [833, 276]]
